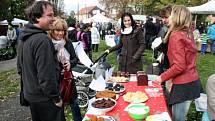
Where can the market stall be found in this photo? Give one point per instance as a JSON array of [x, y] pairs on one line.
[[154, 99], [15, 21], [207, 8], [98, 18]]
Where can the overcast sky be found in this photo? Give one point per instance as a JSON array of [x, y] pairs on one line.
[[73, 4]]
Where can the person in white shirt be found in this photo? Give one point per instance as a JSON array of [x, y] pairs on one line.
[[11, 36], [95, 37]]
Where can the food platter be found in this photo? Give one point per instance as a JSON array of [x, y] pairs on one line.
[[103, 104], [117, 79], [106, 118], [117, 88], [135, 97], [121, 90]]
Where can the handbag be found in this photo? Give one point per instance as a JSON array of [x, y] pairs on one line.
[[201, 102], [66, 87]]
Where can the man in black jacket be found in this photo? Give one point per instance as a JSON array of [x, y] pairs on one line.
[[38, 66]]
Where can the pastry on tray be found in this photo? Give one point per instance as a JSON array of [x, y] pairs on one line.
[[95, 118], [135, 97], [117, 79], [117, 88], [106, 94]]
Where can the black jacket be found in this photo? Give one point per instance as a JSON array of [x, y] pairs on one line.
[[38, 66]]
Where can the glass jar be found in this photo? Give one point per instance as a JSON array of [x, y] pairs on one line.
[[142, 79]]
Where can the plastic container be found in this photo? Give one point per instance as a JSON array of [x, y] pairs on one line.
[[138, 112]]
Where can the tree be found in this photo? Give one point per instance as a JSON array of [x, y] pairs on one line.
[[70, 20], [3, 11], [58, 6], [119, 5], [148, 7], [15, 8]]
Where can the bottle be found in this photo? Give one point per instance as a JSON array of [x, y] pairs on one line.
[[142, 79]]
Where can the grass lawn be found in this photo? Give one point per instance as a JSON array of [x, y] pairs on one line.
[[9, 84]]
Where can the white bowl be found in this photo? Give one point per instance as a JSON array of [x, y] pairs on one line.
[[103, 110]]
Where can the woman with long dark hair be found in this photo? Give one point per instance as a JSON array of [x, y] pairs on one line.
[[132, 45]]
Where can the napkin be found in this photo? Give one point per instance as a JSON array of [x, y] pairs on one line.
[[98, 84], [159, 117], [108, 73]]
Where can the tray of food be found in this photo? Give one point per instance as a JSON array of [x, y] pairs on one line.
[[106, 94], [117, 88], [117, 79], [103, 105], [135, 97], [98, 118]]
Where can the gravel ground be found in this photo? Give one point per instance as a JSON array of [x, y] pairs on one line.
[[10, 109]]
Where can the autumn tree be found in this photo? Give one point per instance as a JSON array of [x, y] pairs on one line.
[[10, 9], [148, 7]]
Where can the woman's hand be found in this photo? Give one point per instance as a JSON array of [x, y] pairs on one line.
[[67, 65], [59, 104], [159, 80]]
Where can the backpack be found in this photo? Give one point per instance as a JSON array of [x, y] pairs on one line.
[[80, 37]]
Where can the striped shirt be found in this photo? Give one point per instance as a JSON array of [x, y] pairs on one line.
[[204, 38]]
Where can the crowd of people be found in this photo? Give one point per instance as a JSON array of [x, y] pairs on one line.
[[45, 52]]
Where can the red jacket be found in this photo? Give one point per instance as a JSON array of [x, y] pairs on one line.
[[182, 54]]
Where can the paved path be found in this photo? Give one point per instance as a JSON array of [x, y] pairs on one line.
[[10, 109], [8, 65]]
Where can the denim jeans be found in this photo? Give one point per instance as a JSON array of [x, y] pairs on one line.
[[180, 110], [212, 46], [203, 48], [76, 113]]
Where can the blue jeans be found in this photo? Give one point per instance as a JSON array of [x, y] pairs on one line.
[[76, 113], [212, 46], [180, 110], [203, 48]]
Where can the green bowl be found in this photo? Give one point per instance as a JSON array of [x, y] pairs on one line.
[[138, 111]]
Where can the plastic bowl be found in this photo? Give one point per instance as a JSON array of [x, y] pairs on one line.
[[104, 110], [138, 112]]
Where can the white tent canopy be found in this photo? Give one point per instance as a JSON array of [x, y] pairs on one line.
[[207, 8], [97, 18], [15, 21]]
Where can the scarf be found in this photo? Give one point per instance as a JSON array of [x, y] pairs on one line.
[[127, 30], [62, 54]]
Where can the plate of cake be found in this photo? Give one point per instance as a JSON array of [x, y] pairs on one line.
[[135, 97]]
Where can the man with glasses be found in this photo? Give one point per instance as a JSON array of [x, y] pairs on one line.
[[38, 66]]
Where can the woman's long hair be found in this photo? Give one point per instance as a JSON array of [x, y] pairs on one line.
[[59, 24], [181, 20], [133, 24]]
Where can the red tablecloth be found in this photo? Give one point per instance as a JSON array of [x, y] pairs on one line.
[[156, 104]]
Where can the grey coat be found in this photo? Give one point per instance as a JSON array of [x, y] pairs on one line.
[[132, 47], [211, 96]]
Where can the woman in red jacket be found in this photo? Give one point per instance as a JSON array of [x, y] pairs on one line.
[[182, 54]]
